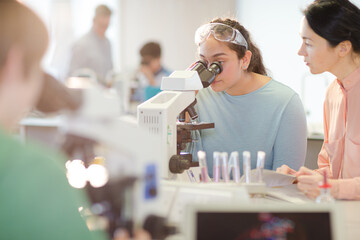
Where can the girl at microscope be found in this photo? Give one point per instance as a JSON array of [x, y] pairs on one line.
[[251, 111], [331, 43]]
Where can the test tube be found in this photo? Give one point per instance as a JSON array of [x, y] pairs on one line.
[[224, 167], [260, 166], [246, 166], [203, 166], [216, 166], [234, 166]]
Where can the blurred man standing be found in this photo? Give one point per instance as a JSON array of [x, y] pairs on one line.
[[93, 50]]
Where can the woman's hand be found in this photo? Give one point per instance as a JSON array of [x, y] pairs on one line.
[[285, 169], [308, 182]]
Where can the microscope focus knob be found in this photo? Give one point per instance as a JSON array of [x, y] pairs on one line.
[[178, 164]]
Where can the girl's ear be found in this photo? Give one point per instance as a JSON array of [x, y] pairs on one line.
[[246, 60]]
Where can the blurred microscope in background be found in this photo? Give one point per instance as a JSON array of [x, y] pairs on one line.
[[107, 153], [117, 158]]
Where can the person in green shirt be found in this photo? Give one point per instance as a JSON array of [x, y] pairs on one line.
[[36, 201]]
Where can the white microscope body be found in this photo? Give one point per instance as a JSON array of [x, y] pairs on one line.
[[158, 115]]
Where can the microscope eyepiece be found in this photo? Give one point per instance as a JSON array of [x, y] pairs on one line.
[[216, 68], [207, 75], [198, 66]]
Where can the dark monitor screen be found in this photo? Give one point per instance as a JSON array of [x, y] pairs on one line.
[[263, 225]]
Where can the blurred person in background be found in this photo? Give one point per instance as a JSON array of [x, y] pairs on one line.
[[92, 52], [150, 73]]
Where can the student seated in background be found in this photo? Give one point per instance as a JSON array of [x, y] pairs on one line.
[[251, 111], [150, 73], [331, 43]]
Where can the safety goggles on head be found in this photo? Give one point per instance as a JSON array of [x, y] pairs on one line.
[[221, 32]]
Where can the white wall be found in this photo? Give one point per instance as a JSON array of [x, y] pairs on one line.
[[274, 26], [171, 22]]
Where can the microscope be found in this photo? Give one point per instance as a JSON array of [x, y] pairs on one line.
[[164, 115], [102, 145]]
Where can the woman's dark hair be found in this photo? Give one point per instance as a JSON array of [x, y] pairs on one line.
[[336, 21], [256, 63]]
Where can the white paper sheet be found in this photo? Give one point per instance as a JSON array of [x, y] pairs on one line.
[[272, 178]]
